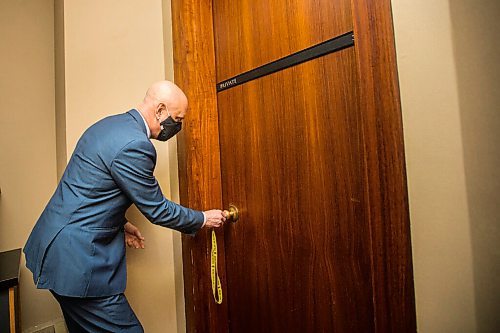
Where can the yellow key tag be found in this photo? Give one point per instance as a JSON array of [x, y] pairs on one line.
[[214, 272]]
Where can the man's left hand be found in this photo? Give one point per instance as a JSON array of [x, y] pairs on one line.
[[133, 237]]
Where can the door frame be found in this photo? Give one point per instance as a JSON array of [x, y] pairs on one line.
[[200, 164]]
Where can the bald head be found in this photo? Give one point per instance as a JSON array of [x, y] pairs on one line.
[[166, 92], [163, 99]]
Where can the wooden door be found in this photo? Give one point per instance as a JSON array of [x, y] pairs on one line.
[[298, 259], [307, 154], [292, 161]]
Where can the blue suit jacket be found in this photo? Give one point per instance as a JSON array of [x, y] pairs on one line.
[[77, 246]]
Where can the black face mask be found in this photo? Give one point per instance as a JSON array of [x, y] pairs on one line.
[[170, 128]]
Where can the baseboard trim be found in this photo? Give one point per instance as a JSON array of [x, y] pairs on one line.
[[57, 324]]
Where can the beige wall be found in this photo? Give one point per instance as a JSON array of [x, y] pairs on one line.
[[174, 176], [113, 51], [59, 74], [475, 31], [60, 87], [108, 52], [27, 135], [449, 70]]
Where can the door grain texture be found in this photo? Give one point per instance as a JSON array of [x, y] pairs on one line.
[[199, 157], [252, 33], [313, 157], [383, 131], [298, 260]]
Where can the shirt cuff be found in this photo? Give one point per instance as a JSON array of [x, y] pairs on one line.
[[204, 219]]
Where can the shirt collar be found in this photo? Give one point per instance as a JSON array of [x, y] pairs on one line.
[[145, 124]]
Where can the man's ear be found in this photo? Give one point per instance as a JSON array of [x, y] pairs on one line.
[[159, 110]]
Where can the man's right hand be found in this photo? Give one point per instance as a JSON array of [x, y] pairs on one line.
[[214, 218]]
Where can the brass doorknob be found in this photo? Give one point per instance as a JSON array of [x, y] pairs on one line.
[[232, 213]]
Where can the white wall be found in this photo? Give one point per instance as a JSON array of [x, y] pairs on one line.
[[449, 70]]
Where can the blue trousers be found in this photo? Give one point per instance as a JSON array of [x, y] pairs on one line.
[[108, 314]]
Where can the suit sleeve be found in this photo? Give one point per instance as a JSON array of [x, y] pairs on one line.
[[132, 169]]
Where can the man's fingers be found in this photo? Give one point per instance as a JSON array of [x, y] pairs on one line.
[[215, 218], [218, 223], [139, 244], [134, 241]]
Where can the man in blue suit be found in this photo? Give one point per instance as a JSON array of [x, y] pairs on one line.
[[77, 247]]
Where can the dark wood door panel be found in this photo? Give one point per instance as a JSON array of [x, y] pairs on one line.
[[293, 162], [250, 33], [314, 268], [383, 131]]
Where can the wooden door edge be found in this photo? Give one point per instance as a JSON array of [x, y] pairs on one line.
[[392, 270], [199, 158]]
